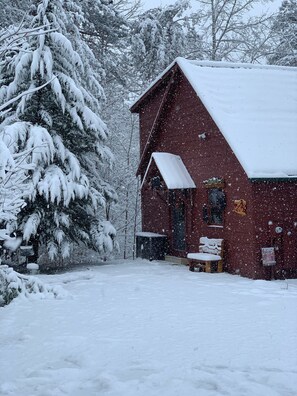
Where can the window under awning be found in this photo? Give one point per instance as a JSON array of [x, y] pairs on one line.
[[172, 170]]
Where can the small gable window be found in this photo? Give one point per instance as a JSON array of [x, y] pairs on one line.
[[213, 211], [216, 205]]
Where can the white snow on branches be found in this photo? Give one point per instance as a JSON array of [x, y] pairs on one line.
[[104, 239], [40, 141], [14, 186], [31, 226], [13, 284]]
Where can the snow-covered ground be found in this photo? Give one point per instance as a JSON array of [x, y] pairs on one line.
[[148, 329]]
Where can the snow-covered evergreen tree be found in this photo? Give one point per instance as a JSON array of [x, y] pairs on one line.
[[102, 24], [60, 123], [158, 37], [13, 12], [14, 183], [284, 30], [104, 28]]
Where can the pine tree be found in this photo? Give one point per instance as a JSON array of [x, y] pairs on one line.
[[284, 30], [60, 123], [158, 37], [102, 24], [104, 29], [13, 12]]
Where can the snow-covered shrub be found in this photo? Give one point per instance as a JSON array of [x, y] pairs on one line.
[[13, 284]]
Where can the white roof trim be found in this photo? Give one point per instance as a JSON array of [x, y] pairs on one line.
[[172, 170]]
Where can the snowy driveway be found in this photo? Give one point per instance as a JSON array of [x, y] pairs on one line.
[[152, 329]]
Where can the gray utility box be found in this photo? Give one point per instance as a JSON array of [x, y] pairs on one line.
[[151, 246]]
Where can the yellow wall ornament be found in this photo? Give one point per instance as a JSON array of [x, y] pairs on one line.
[[240, 207]]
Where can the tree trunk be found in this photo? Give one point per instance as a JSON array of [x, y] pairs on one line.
[[35, 246]]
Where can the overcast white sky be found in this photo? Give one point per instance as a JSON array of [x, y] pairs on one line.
[[271, 5]]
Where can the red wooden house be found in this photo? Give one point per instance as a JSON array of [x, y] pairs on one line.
[[218, 159]]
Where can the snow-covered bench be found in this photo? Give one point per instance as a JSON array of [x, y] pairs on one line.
[[210, 256]]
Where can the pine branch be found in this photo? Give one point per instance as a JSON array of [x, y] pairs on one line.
[[28, 92]]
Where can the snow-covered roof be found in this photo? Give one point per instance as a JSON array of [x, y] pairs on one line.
[[172, 170], [255, 108]]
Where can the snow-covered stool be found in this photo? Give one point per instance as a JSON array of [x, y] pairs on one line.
[[210, 256], [33, 268]]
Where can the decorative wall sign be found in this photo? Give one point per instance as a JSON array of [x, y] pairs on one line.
[[268, 256], [240, 207], [214, 182]]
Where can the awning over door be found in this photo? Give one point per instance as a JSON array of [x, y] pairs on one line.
[[172, 170]]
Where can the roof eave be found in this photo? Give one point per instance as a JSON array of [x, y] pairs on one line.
[[289, 179], [135, 108]]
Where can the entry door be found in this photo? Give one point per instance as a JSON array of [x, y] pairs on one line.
[[179, 227]]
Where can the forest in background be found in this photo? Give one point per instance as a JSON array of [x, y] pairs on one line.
[[69, 71]]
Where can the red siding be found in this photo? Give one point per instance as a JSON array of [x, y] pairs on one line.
[[276, 206]]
